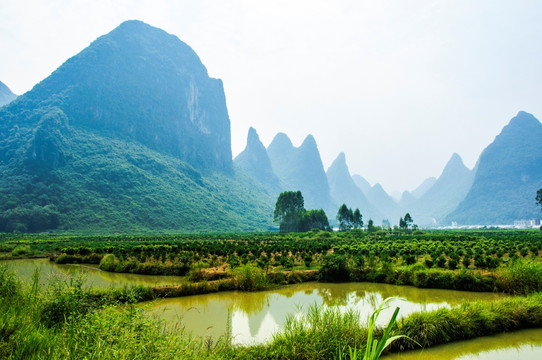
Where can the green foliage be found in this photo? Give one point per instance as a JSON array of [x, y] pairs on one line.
[[114, 185], [66, 299], [345, 216], [314, 219], [250, 278], [469, 320], [521, 277], [290, 213], [539, 197], [109, 263], [288, 210], [334, 268], [375, 347], [30, 219]]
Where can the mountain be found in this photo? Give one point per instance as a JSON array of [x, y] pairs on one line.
[[423, 187], [361, 183], [509, 173], [6, 96], [407, 200], [139, 83], [384, 203], [301, 168], [345, 191], [445, 194], [129, 135], [255, 161]]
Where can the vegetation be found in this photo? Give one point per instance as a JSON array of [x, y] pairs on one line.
[[349, 219], [480, 260], [406, 222], [68, 321], [290, 213]]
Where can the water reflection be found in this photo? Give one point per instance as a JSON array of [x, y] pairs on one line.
[[524, 344], [255, 316], [94, 277]]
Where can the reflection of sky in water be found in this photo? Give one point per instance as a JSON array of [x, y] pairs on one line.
[[254, 317]]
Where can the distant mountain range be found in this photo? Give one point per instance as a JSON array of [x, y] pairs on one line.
[[301, 168], [344, 190], [6, 96], [132, 135], [499, 190]]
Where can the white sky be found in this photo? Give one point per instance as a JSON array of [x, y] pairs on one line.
[[397, 85]]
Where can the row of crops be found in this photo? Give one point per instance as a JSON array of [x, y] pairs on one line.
[[453, 249]]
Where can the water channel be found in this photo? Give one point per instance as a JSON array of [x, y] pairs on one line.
[[254, 317]]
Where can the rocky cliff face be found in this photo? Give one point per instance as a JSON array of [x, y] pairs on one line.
[[129, 135], [508, 174], [141, 83]]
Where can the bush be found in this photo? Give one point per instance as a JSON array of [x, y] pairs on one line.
[[250, 278], [109, 263], [334, 268]]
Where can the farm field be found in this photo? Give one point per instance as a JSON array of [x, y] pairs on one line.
[[230, 296]]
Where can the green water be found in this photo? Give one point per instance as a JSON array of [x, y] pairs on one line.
[[94, 277], [254, 317], [523, 344]]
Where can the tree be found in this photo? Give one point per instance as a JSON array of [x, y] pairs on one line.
[[345, 216], [408, 220], [314, 219], [404, 223], [289, 210], [357, 219], [539, 197], [371, 226]]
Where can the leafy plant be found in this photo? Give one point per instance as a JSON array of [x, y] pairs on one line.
[[375, 347]]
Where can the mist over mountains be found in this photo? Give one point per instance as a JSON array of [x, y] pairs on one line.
[[499, 190], [132, 135]]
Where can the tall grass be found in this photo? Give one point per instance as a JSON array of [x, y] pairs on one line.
[[470, 320], [66, 322], [85, 325], [521, 277]]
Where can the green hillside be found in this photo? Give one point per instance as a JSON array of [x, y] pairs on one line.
[[130, 135], [509, 173]]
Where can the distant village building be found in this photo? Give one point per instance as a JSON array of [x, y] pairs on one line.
[[527, 223]]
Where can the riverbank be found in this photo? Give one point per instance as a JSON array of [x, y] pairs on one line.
[[67, 321]]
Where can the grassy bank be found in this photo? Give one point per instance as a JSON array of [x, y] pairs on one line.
[[65, 321]]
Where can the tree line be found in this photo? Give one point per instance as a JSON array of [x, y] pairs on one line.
[[291, 215]]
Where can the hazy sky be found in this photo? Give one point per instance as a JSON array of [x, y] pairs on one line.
[[399, 86]]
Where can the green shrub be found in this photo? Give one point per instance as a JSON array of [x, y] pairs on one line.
[[108, 263], [334, 268], [250, 278]]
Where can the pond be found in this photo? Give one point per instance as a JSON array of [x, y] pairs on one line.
[[523, 344], [253, 317], [94, 277]]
